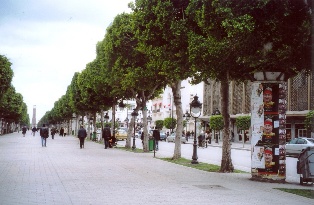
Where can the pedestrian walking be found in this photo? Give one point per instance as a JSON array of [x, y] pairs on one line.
[[53, 132], [61, 132], [112, 142], [24, 130], [44, 134], [232, 136], [156, 136], [34, 130], [106, 134], [142, 138], [201, 140], [65, 131], [209, 136], [188, 134], [82, 134]]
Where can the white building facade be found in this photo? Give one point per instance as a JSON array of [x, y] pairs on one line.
[[164, 107]]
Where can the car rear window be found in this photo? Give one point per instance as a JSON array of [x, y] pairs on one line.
[[301, 141]]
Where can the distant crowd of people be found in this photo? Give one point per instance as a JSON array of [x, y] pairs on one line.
[[109, 140], [203, 138], [44, 132]]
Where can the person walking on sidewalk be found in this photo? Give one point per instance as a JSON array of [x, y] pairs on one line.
[[65, 131], [106, 134], [142, 138], [53, 132], [33, 131], [82, 134], [156, 136], [23, 130], [44, 134], [61, 132]]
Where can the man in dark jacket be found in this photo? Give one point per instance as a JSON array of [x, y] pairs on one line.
[[24, 130], [106, 134], [82, 134], [61, 132], [44, 134], [53, 132], [34, 130], [156, 136]]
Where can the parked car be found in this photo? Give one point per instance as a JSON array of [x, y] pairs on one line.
[[171, 138], [123, 128], [121, 134], [163, 136], [297, 145]]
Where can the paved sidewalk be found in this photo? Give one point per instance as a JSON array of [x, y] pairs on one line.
[[62, 173], [234, 145]]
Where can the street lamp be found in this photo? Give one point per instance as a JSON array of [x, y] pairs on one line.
[[134, 115], [216, 112], [195, 110]]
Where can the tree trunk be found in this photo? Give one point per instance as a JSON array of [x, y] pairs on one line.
[[176, 90], [101, 124], [94, 123], [113, 120], [146, 148], [130, 133], [226, 162], [88, 126]]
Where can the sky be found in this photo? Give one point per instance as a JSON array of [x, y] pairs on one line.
[[47, 41]]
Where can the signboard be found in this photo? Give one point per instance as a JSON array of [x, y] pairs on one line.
[[268, 120]]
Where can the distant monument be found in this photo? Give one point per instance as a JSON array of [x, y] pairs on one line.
[[34, 117]]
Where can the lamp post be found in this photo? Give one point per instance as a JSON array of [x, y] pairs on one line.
[[195, 110], [134, 115], [216, 112]]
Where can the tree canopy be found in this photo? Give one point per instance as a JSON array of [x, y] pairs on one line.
[[6, 74], [164, 42]]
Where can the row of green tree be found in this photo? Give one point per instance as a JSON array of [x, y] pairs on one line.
[[12, 107], [161, 43]]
